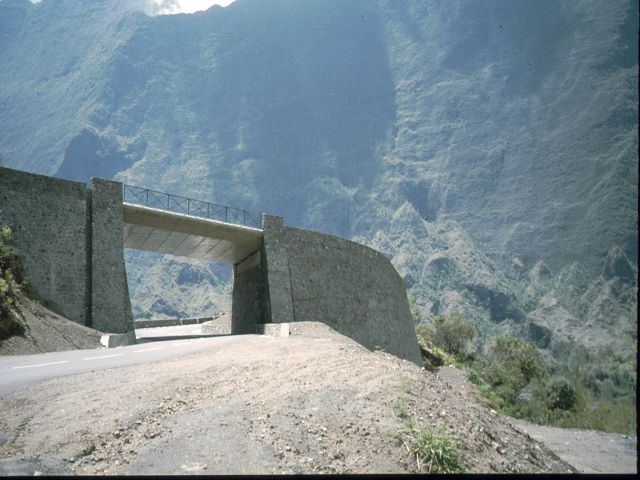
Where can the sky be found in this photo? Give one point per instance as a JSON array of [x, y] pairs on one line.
[[168, 7]]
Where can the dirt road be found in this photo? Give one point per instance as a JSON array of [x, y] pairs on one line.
[[588, 451]]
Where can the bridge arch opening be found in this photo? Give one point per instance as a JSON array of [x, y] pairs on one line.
[[193, 249], [171, 291]]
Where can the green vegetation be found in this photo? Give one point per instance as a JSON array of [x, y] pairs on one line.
[[432, 449], [454, 334], [510, 367], [448, 337], [11, 279], [432, 355], [413, 306], [583, 389]]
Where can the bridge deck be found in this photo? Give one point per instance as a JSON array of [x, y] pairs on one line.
[[163, 231]]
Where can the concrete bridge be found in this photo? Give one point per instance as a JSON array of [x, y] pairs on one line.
[[188, 236], [71, 240]]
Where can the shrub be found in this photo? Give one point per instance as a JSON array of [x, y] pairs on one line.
[[475, 378], [561, 394], [433, 450], [432, 356], [510, 366], [454, 333], [10, 282]]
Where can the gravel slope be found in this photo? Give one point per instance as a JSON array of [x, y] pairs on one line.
[[315, 402], [48, 332]]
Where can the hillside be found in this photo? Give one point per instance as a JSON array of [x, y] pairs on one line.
[[489, 148]]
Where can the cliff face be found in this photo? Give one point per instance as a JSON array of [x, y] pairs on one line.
[[489, 147]]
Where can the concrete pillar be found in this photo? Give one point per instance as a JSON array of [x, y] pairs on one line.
[[110, 306], [275, 267]]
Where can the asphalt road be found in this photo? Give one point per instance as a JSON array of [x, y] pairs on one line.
[[19, 371]]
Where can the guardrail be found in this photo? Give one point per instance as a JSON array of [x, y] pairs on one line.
[[190, 206]]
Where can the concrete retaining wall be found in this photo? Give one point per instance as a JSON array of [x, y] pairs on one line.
[[69, 239]]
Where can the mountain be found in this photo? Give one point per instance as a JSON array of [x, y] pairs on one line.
[[490, 148]]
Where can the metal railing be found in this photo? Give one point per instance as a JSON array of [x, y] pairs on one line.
[[197, 208]]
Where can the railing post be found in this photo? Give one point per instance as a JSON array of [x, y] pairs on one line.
[[208, 216], [244, 217], [188, 206], [147, 192], [226, 214]]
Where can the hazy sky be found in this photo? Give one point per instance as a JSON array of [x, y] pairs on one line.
[[187, 6], [181, 6]]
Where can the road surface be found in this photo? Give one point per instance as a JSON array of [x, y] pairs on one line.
[[157, 344]]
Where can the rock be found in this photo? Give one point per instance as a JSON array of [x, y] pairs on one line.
[[540, 334], [618, 265]]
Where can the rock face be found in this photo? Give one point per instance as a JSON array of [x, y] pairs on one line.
[[488, 148]]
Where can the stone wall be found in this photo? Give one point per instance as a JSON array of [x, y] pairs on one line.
[[313, 277], [277, 278], [69, 239], [353, 289], [110, 307], [49, 218]]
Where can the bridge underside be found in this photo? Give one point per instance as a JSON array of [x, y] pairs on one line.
[[184, 235]]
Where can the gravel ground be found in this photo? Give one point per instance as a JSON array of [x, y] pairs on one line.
[[315, 402]]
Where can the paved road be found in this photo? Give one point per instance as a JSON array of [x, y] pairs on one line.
[[19, 371]]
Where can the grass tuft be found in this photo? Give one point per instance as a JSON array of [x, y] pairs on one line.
[[433, 450]]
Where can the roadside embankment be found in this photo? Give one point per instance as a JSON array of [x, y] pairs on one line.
[[47, 332]]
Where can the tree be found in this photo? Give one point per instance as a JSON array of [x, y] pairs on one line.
[[511, 365], [454, 333]]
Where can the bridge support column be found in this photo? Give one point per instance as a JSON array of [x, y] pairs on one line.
[[276, 274], [110, 304], [247, 304]]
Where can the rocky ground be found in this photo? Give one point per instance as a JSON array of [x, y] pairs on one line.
[[315, 402], [48, 332]]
